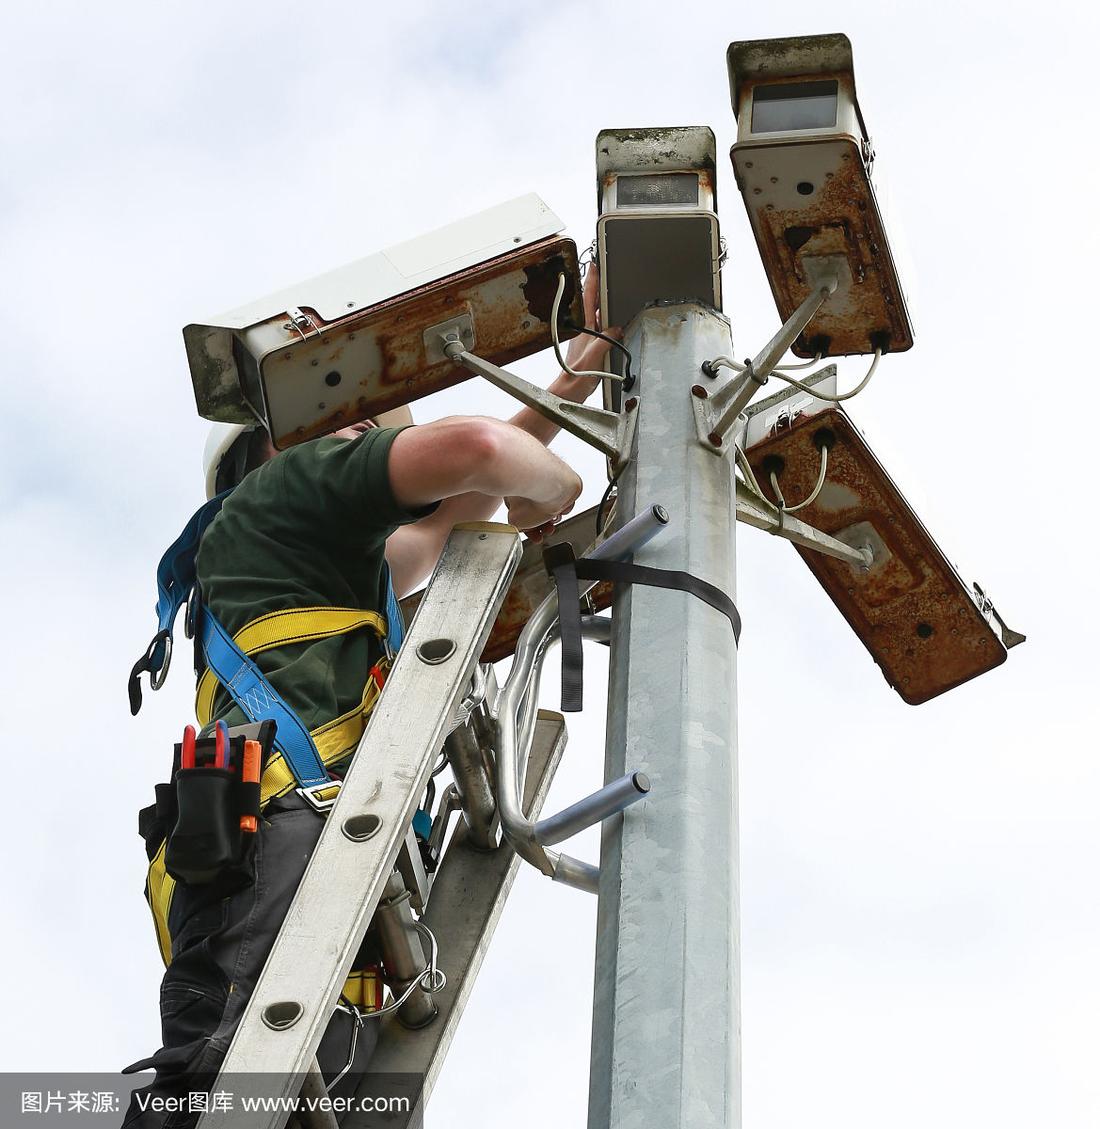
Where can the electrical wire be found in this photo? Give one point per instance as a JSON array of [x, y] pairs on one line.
[[782, 507], [557, 343], [838, 399], [611, 341], [750, 479], [722, 362], [795, 368], [726, 362], [817, 486], [603, 501]]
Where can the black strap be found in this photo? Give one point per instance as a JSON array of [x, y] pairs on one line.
[[561, 563], [566, 571]]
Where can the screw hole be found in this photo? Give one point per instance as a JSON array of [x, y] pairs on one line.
[[804, 187], [332, 379], [924, 630]]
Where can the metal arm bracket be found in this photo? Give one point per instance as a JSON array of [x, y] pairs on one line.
[[611, 433], [754, 512], [716, 412]]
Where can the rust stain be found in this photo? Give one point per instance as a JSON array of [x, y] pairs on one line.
[[912, 611], [509, 299], [834, 219], [542, 284]]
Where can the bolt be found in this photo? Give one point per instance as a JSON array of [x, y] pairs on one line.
[[715, 439], [699, 391], [631, 404]]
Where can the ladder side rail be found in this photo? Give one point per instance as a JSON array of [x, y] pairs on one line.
[[468, 896], [358, 847]]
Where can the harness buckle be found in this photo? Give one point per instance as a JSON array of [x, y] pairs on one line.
[[321, 805], [157, 676]]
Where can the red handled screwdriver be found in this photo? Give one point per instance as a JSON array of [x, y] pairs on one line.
[[187, 749]]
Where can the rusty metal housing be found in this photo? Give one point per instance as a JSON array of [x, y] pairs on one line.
[[808, 192], [923, 625]]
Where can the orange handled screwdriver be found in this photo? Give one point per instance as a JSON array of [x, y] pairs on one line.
[[250, 774]]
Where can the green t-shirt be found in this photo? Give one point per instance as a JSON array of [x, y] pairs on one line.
[[307, 529]]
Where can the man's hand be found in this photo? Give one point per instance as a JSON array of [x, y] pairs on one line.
[[585, 352], [537, 516]]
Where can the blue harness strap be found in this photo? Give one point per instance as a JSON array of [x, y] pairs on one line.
[[395, 622], [175, 583], [259, 701], [242, 679]]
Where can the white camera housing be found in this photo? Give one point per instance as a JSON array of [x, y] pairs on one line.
[[657, 234], [347, 345]]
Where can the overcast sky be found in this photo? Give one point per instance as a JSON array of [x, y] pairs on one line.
[[919, 894]]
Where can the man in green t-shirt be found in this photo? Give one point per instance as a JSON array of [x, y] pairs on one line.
[[318, 525]]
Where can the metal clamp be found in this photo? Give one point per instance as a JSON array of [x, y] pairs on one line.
[[299, 320]]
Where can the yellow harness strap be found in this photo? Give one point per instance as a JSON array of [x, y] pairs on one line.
[[277, 629], [333, 739]]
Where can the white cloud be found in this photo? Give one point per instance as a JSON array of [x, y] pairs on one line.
[[919, 916]]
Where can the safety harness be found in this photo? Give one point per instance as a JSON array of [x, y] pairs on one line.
[[302, 756]]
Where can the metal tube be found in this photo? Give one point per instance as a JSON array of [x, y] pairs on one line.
[[611, 798], [403, 952], [638, 531], [516, 708], [668, 882], [471, 775]]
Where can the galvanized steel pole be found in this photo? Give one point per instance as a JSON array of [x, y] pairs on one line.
[[666, 1023]]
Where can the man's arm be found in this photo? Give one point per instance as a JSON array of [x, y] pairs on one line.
[[413, 550], [470, 457]]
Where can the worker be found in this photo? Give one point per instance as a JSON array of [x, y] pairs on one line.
[[321, 525]]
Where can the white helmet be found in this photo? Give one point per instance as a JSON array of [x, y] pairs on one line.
[[223, 435]]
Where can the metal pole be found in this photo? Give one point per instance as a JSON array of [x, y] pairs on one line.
[[666, 1030]]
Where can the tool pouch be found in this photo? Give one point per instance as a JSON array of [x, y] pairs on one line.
[[207, 844], [198, 816]]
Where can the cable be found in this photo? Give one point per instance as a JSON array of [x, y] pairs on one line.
[[817, 486], [710, 367], [750, 479], [603, 501], [795, 368], [782, 507], [557, 344], [828, 395], [611, 341]]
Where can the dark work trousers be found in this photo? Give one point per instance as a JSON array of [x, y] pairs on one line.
[[219, 947]]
